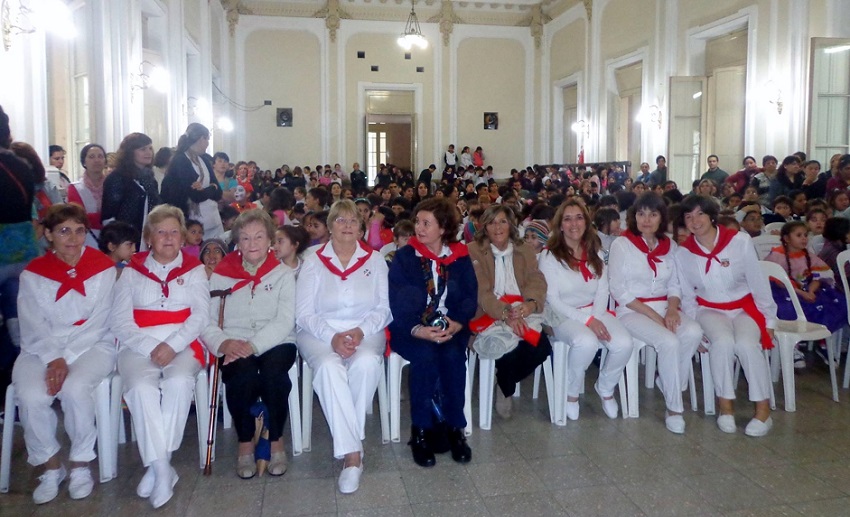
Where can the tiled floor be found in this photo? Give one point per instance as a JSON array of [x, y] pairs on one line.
[[524, 466]]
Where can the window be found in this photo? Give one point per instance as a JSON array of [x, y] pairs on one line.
[[377, 149], [830, 108]]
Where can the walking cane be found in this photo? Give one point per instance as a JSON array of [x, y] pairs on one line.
[[219, 293]]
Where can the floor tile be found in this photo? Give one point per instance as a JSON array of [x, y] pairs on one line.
[[377, 490], [440, 483], [728, 490], [512, 477], [299, 497], [824, 508], [791, 484], [571, 471], [602, 501], [466, 507], [667, 498], [538, 503]]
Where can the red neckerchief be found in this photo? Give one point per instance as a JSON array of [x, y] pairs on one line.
[[70, 277], [586, 273], [456, 250], [354, 267], [231, 267], [137, 262], [725, 237], [661, 249]]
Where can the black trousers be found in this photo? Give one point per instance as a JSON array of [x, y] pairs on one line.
[[265, 377], [520, 362]]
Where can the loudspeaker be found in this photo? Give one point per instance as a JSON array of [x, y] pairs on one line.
[[284, 117]]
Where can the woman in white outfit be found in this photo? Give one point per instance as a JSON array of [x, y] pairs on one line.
[[342, 308], [161, 307], [577, 306], [63, 303], [643, 280], [725, 290]]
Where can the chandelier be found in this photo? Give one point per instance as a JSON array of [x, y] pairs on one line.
[[412, 34]]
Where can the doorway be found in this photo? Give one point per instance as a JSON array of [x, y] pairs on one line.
[[390, 130]]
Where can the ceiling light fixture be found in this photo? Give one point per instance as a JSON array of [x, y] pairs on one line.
[[412, 34]]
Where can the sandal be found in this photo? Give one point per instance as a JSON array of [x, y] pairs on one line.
[[246, 466], [278, 464]]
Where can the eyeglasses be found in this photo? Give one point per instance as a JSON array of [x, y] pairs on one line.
[[67, 232], [344, 221]]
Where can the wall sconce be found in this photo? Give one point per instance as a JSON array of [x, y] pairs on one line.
[[650, 115], [774, 95], [581, 127], [224, 124], [19, 18], [156, 78], [200, 109]]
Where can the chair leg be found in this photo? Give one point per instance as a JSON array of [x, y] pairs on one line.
[[394, 367], [226, 418], [708, 396], [202, 413], [8, 429], [535, 390], [295, 410], [486, 373], [693, 389], [786, 359], [560, 374], [830, 352], [103, 421], [548, 377], [306, 407], [651, 364], [382, 407], [116, 413], [630, 404], [467, 393], [846, 383]]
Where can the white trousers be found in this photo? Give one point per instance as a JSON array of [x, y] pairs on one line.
[[583, 346], [345, 386], [733, 333], [158, 399], [77, 399], [675, 350]]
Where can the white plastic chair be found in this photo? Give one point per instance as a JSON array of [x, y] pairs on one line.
[[395, 363], [106, 454], [789, 333], [560, 373], [765, 243], [294, 409], [649, 381], [842, 261], [769, 228], [202, 414], [307, 407], [487, 381]]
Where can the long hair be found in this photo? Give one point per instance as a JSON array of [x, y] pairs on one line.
[[194, 132], [787, 228], [489, 216], [126, 165], [589, 240]]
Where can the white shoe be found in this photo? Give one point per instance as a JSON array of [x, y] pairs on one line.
[[81, 483], [572, 410], [758, 428], [145, 486], [163, 488], [48, 486], [726, 423], [349, 479], [675, 424], [609, 406]]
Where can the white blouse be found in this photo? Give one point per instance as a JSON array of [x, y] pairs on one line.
[[136, 291], [326, 304], [568, 295], [630, 276], [47, 324], [736, 275]]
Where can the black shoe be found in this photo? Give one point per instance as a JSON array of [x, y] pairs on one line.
[[461, 452], [438, 438], [422, 453]]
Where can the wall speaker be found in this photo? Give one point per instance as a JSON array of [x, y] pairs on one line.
[[284, 117]]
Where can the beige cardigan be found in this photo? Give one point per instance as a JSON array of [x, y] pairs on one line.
[[532, 284]]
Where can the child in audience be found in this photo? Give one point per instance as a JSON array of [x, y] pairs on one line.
[[194, 237], [289, 243], [537, 234], [402, 232], [607, 223], [813, 281], [118, 240], [782, 208]]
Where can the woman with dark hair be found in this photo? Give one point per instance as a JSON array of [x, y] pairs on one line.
[[130, 191], [88, 192], [257, 339], [280, 203], [434, 297], [836, 236], [190, 183], [645, 284], [743, 177], [577, 306], [66, 351], [814, 183], [726, 292], [788, 177], [46, 193], [511, 296], [342, 310]]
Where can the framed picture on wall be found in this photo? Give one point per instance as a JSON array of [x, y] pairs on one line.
[[491, 120]]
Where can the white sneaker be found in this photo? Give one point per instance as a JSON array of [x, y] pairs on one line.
[[572, 410], [726, 423], [609, 406], [145, 486], [799, 360], [757, 428], [163, 488], [48, 485], [81, 483], [349, 479], [675, 424]]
